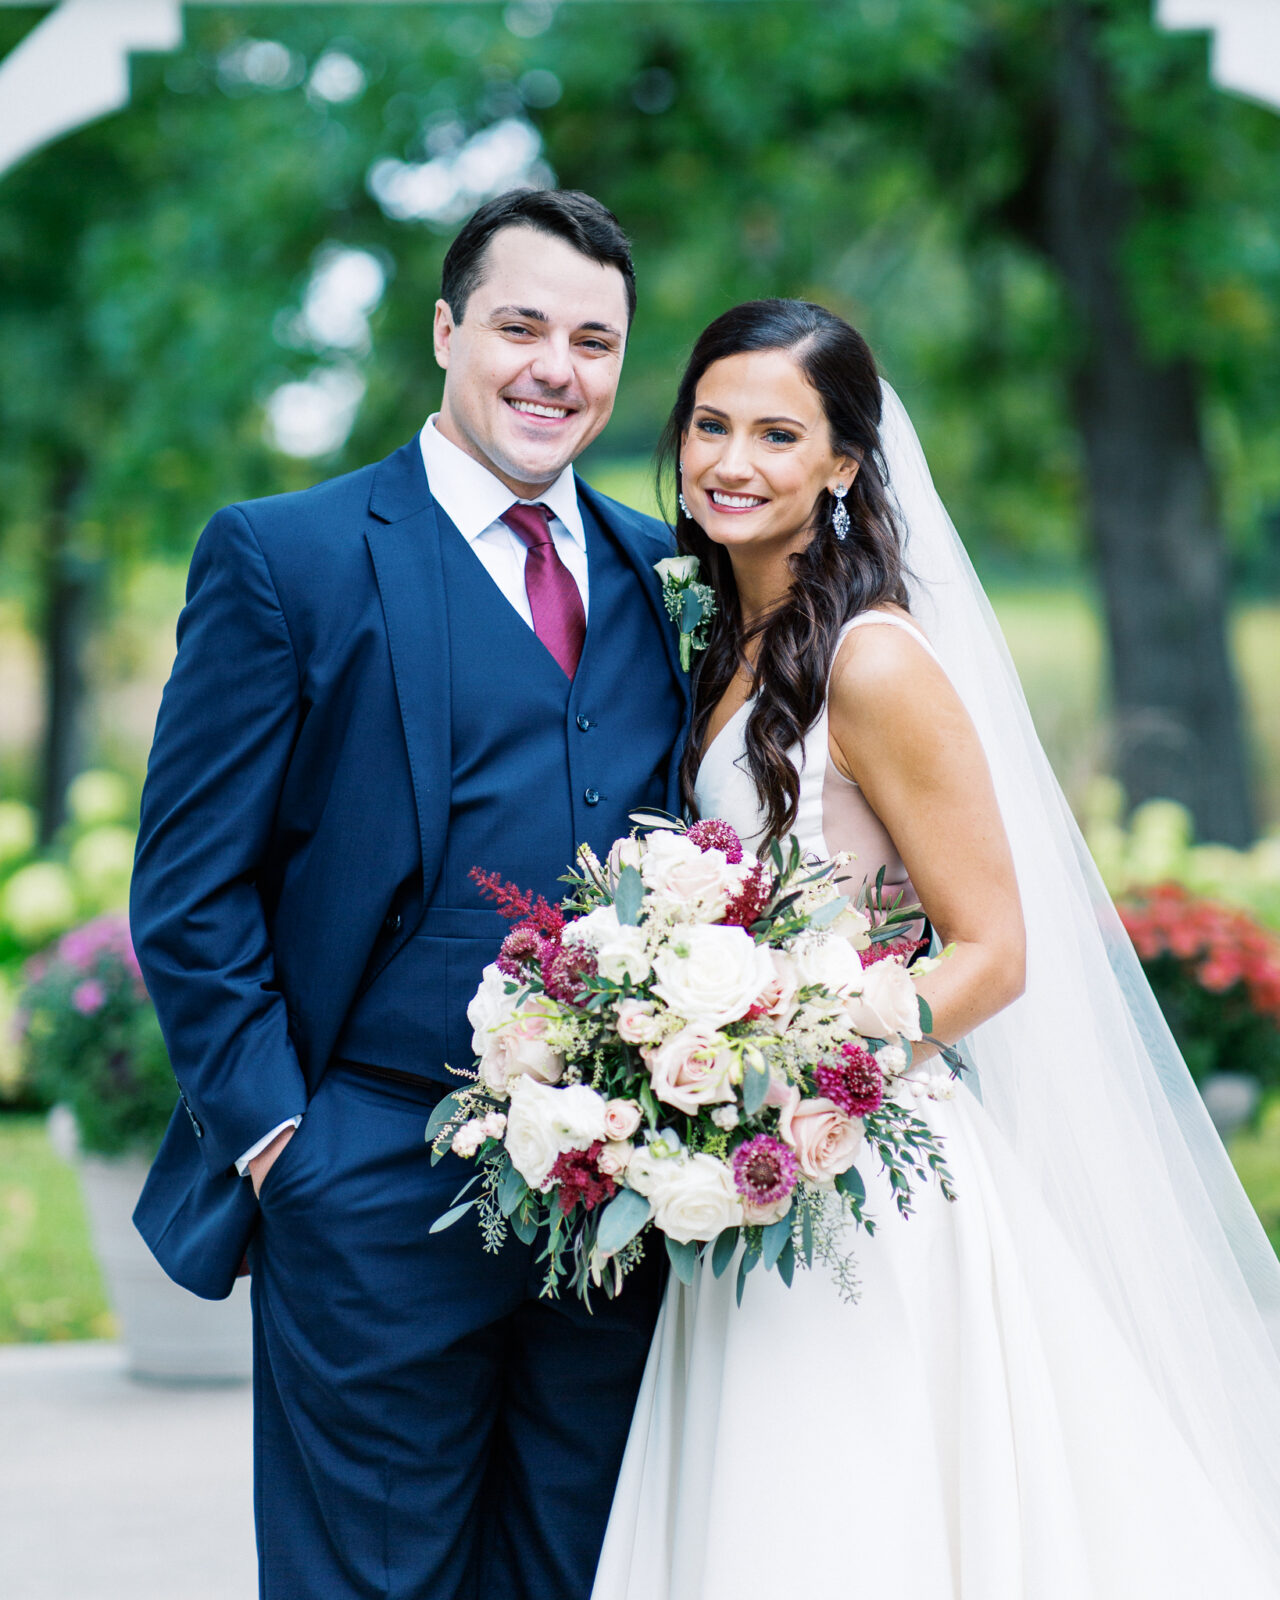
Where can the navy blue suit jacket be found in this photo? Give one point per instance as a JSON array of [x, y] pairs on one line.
[[294, 814]]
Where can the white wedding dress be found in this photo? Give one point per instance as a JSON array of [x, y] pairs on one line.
[[974, 1428]]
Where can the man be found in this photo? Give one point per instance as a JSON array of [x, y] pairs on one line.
[[455, 658]]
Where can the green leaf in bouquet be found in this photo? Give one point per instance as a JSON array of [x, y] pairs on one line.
[[755, 1085], [629, 897], [748, 1261], [621, 1220], [684, 1258], [774, 1241], [722, 1251], [787, 1262], [806, 1233], [794, 865], [828, 913], [775, 850], [451, 1216], [443, 1112], [926, 1014], [656, 819], [511, 1191], [851, 1183], [523, 1226]]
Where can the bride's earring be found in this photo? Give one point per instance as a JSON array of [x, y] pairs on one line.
[[680, 495], [840, 513]]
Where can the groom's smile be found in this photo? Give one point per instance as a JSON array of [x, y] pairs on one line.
[[532, 362]]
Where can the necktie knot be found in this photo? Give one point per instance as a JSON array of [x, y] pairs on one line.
[[531, 523]]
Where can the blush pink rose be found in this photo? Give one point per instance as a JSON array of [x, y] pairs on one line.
[[691, 1069], [614, 1157], [621, 1119], [825, 1140], [520, 1049], [637, 1023]]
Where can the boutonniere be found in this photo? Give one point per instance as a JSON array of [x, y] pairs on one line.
[[690, 603]]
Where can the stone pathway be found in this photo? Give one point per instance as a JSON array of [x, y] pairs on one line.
[[111, 1489]]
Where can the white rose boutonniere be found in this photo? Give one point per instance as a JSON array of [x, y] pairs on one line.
[[690, 603]]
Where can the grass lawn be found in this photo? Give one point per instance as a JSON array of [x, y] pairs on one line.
[[49, 1282]]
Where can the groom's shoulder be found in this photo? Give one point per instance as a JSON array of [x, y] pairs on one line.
[[331, 508], [649, 530]]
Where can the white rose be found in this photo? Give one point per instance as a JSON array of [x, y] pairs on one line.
[[531, 1140], [697, 1199], [624, 955], [544, 1122], [888, 1003], [520, 1048], [676, 569], [710, 974], [830, 963], [691, 1069], [593, 930], [628, 852], [490, 1008], [652, 1164], [696, 883]]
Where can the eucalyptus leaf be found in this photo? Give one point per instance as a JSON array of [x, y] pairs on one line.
[[524, 1228], [926, 1014], [629, 897], [441, 1114], [451, 1216], [690, 611], [684, 1258], [806, 1234], [511, 1191], [787, 1262], [656, 819], [775, 1240], [755, 1085], [722, 1251], [851, 1183], [828, 913], [621, 1220]]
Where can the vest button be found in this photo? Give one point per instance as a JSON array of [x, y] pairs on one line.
[[584, 721], [592, 797]]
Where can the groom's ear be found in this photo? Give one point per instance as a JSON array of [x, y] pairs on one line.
[[442, 333]]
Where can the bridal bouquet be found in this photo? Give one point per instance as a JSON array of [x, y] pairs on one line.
[[699, 1043]]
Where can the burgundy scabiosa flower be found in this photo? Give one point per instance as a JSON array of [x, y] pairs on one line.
[[751, 899], [563, 969], [523, 946], [712, 834], [764, 1170], [854, 1083], [580, 1178]]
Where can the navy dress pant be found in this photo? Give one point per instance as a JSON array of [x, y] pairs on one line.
[[427, 1427]]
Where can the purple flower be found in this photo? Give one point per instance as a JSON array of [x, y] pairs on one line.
[[88, 997], [713, 834], [764, 1170]]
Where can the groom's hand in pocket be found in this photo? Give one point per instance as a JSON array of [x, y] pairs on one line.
[[263, 1162]]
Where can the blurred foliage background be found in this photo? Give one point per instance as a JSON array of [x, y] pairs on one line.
[[1061, 240]]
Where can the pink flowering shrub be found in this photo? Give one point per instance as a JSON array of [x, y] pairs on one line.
[[89, 1038]]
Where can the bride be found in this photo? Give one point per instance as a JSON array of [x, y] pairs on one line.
[[1062, 1386]]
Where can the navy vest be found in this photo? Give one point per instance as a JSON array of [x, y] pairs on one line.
[[539, 765]]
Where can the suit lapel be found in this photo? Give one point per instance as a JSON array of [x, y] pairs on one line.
[[404, 542]]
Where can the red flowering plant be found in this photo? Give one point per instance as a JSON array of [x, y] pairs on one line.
[[89, 1039], [696, 1043], [1216, 974]]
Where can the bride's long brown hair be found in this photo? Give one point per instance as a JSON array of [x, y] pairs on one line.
[[832, 579]]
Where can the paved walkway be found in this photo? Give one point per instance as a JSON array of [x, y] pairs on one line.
[[112, 1489]]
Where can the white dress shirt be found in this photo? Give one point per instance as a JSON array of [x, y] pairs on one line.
[[474, 500]]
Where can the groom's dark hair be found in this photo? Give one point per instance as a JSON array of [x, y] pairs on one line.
[[568, 214]]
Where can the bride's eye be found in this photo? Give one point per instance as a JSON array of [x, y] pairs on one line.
[[780, 436], [706, 425]]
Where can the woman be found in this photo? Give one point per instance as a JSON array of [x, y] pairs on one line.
[[1062, 1385]]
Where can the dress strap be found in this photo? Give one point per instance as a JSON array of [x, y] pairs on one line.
[[891, 619]]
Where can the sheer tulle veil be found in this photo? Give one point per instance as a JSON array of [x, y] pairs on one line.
[[1083, 1077]]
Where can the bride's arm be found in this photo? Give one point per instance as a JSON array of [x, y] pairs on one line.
[[899, 730]]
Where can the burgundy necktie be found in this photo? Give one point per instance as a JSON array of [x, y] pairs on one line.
[[554, 599]]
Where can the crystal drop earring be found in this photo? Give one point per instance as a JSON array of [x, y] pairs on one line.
[[680, 494], [840, 513]]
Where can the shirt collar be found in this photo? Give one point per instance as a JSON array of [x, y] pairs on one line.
[[474, 499]]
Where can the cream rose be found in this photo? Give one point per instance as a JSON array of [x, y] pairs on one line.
[[637, 1023], [490, 1007], [825, 1140], [691, 1069], [763, 1216], [711, 975], [696, 883], [676, 569], [624, 853], [592, 930], [888, 1004], [828, 962], [777, 1000], [624, 955], [696, 1199], [520, 1049], [621, 1118]]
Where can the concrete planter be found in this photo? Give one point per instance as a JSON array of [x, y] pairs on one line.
[[170, 1335]]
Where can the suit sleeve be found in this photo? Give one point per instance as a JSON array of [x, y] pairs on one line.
[[224, 736]]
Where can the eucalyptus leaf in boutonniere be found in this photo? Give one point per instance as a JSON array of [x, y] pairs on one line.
[[690, 603]]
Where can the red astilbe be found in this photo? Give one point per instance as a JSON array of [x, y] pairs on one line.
[[751, 899], [905, 946], [519, 905], [580, 1179]]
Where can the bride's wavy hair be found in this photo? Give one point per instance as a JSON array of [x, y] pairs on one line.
[[832, 579]]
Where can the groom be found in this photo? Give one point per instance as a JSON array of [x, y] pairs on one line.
[[455, 658]]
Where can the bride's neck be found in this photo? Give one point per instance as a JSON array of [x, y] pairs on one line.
[[763, 582]]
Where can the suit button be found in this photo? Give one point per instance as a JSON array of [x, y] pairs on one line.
[[393, 922], [592, 797], [584, 721]]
